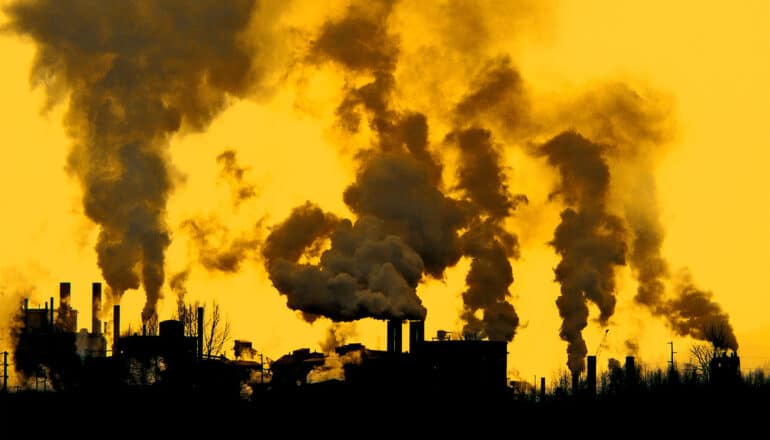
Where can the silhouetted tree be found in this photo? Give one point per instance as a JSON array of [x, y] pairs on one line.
[[216, 329], [701, 356]]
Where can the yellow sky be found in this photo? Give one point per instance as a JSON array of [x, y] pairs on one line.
[[711, 58]]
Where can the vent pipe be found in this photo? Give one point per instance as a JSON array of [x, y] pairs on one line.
[[51, 321]]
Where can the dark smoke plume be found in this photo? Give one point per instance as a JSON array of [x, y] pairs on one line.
[[637, 127], [693, 312], [397, 195], [497, 92], [590, 240], [135, 73], [217, 249], [365, 273], [361, 44], [234, 175]]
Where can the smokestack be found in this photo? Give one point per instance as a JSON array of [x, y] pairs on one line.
[[51, 322], [115, 328], [64, 292], [575, 382], [630, 372], [200, 332], [591, 376], [394, 336], [26, 313], [416, 334], [96, 308], [144, 329], [542, 388]]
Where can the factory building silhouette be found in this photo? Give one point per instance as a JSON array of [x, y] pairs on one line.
[[51, 352]]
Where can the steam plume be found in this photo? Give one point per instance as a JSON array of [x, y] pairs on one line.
[[134, 73], [337, 335]]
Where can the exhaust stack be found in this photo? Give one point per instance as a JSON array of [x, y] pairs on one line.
[[591, 376], [575, 383], [394, 336], [630, 372], [96, 308], [416, 335], [115, 328]]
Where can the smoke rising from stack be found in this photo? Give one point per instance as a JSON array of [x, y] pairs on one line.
[[590, 240], [693, 312], [135, 74], [397, 196]]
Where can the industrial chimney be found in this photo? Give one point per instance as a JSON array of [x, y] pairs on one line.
[[394, 336], [575, 383], [96, 308], [416, 334], [200, 332], [591, 376], [542, 388], [115, 328], [51, 322], [630, 372]]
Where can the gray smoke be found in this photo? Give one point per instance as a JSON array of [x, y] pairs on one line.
[[218, 248], [234, 175], [135, 73], [590, 240], [693, 312]]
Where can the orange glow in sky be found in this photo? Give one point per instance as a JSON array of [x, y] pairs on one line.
[[707, 62]]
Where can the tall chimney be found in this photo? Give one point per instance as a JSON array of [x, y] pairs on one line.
[[394, 336], [416, 334], [200, 332], [575, 383], [630, 372], [96, 308], [115, 328], [542, 388], [591, 376], [26, 314], [51, 321], [64, 292]]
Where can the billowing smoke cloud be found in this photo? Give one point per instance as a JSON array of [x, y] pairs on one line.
[[397, 194], [590, 240], [217, 249], [497, 92], [365, 273], [234, 175], [361, 43], [637, 128], [134, 73], [693, 312], [337, 335]]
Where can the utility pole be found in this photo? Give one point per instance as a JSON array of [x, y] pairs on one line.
[[671, 343]]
